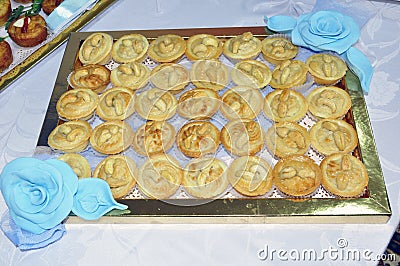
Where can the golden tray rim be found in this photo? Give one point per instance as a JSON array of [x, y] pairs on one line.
[[368, 210], [20, 69]]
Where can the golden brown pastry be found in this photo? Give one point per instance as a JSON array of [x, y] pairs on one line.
[[77, 104], [49, 5], [94, 77], [70, 137], [117, 103], [119, 172], [197, 138], [5, 11], [242, 137], [297, 175], [167, 48], [203, 46], [198, 103], [278, 49], [130, 48], [23, 1], [78, 163], [156, 104], [6, 57], [154, 137], [242, 47], [251, 73], [170, 77], [344, 175], [289, 74], [250, 175], [328, 102], [205, 177], [211, 74], [160, 176], [326, 68], [96, 49], [28, 31], [111, 137], [331, 135], [241, 102], [285, 105], [287, 138], [133, 75]]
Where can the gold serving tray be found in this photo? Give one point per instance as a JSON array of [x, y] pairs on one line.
[[372, 207], [79, 22]]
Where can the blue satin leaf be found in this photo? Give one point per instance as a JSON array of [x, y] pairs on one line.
[[94, 199], [360, 65], [282, 24]]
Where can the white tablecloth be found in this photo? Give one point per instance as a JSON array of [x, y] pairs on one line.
[[23, 106]]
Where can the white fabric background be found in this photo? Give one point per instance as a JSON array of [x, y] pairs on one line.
[[23, 106]]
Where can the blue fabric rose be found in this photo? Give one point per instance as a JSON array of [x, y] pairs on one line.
[[39, 194], [326, 30]]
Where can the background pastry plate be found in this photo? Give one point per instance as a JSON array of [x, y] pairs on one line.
[[372, 207], [25, 58]]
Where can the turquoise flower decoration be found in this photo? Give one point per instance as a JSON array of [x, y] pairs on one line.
[[41, 194], [327, 31]]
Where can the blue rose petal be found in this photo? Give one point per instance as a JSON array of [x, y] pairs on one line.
[[94, 199], [283, 24], [360, 65]]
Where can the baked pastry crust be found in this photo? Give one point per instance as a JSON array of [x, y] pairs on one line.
[[328, 102], [285, 105], [167, 48], [170, 77], [156, 104], [241, 102], [250, 176], [203, 46], [35, 33], [117, 103], [278, 49], [154, 137], [242, 137], [77, 104], [5, 11], [344, 175], [198, 103], [330, 136], [78, 163], [6, 57], [251, 73], [205, 177], [120, 172], [111, 137], [287, 138], [133, 75], [242, 47], [70, 137], [23, 1], [130, 48], [326, 69], [197, 138], [49, 5], [160, 176], [94, 77], [96, 49], [289, 74], [211, 74], [297, 175]]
